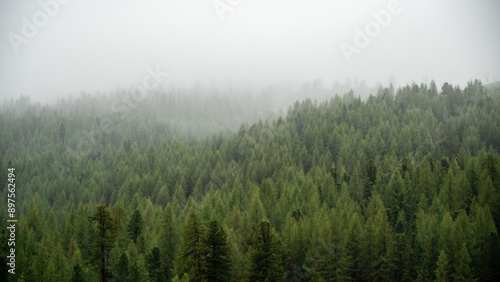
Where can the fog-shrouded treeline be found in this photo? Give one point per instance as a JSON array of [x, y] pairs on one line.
[[403, 185]]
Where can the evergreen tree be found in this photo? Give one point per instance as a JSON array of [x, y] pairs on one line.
[[77, 275], [426, 244], [218, 262], [104, 240], [134, 272], [135, 226], [122, 272], [185, 278], [62, 132], [265, 254], [193, 251], [442, 271], [354, 250], [168, 243], [153, 262], [358, 190], [398, 253], [40, 263], [375, 240], [463, 270]]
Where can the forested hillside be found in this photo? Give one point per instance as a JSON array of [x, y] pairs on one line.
[[403, 185]]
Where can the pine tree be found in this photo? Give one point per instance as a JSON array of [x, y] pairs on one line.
[[426, 244], [375, 240], [487, 194], [104, 240], [40, 263], [293, 250], [62, 132], [185, 278], [134, 272], [265, 254], [168, 243], [442, 272], [237, 257], [327, 258], [218, 262], [486, 257], [63, 270], [398, 253], [194, 249], [122, 272], [135, 225], [393, 196], [50, 273], [153, 262], [354, 250], [77, 274], [463, 271], [370, 177]]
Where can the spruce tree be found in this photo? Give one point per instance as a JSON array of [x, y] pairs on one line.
[[463, 271], [135, 225], [194, 249], [265, 254], [168, 244], [122, 272], [153, 262], [218, 262], [353, 246], [442, 271], [104, 240], [77, 274]]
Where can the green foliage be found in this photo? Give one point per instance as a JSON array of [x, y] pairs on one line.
[[135, 225], [193, 249], [77, 275], [463, 270], [365, 190], [122, 273], [265, 254], [104, 240], [185, 278], [153, 262], [217, 258], [168, 242], [443, 268]]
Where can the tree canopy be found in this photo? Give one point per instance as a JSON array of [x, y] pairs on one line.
[[402, 185]]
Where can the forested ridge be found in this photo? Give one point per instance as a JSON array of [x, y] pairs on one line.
[[401, 186]]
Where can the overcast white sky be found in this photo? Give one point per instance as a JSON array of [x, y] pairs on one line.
[[101, 45]]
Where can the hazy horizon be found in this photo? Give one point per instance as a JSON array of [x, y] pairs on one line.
[[92, 46]]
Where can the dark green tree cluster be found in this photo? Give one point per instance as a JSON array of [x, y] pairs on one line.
[[403, 185], [204, 253]]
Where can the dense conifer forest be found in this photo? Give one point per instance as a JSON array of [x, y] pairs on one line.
[[403, 185]]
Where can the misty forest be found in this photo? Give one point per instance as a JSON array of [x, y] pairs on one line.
[[193, 185]]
